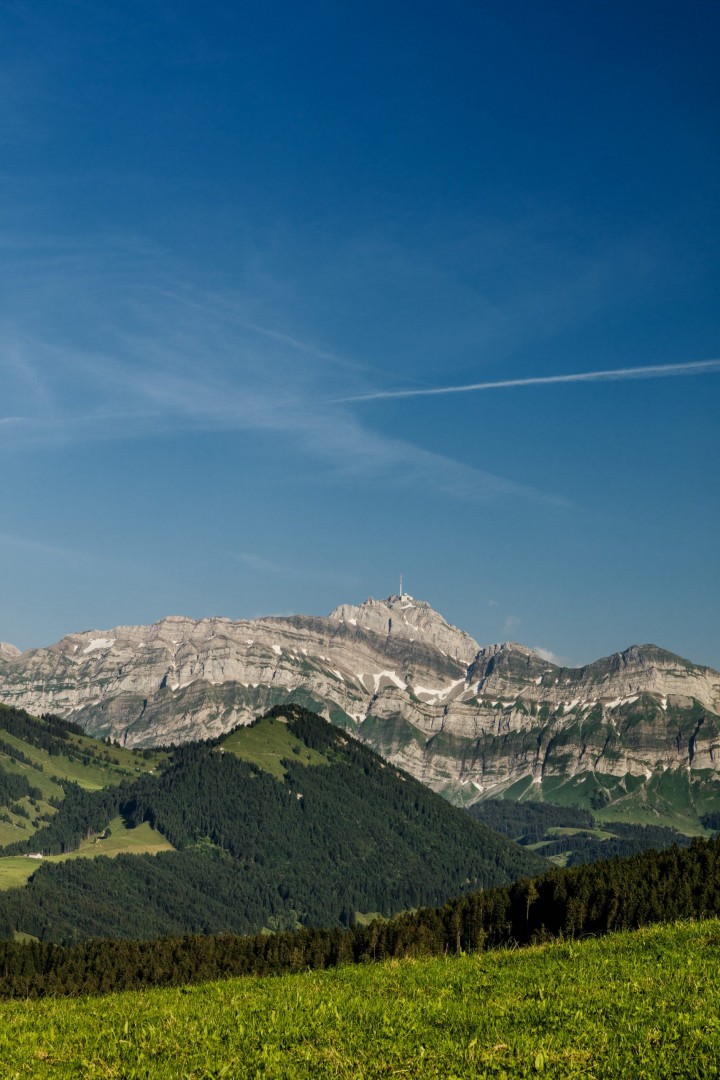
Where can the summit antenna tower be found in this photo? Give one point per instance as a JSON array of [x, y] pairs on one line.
[[401, 592]]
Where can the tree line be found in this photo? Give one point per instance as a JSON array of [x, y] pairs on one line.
[[588, 900], [532, 822], [49, 732]]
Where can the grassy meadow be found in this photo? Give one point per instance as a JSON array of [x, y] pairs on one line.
[[268, 743], [119, 840], [83, 761], [641, 1004]]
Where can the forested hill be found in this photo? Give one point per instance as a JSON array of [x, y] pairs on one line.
[[572, 836], [287, 822], [42, 757], [618, 894]]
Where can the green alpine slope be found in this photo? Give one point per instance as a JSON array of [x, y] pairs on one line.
[[287, 822], [40, 757]]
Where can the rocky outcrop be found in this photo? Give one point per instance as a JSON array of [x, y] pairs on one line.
[[469, 721], [181, 679], [8, 650], [409, 619]]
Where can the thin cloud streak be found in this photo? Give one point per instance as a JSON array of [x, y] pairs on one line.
[[125, 399], [259, 564], [27, 545], [654, 371], [162, 361], [301, 346], [229, 309]]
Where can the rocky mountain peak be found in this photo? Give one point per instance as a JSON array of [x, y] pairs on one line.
[[507, 662], [402, 616], [508, 648], [469, 721], [9, 651], [640, 662], [651, 656]]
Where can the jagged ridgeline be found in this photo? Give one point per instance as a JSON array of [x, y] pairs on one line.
[[634, 737], [284, 823]]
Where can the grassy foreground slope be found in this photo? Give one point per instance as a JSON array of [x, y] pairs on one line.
[[633, 1004]]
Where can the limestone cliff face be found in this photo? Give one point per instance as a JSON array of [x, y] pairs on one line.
[[182, 679], [406, 618], [469, 721], [526, 728]]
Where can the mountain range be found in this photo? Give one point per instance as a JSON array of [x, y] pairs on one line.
[[634, 736]]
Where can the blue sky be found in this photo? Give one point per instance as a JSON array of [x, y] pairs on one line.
[[229, 234]]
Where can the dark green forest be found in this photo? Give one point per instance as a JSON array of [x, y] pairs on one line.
[[588, 900], [49, 732], [13, 786], [334, 832], [533, 823], [257, 852]]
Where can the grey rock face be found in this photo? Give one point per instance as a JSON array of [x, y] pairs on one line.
[[182, 679], [469, 721], [8, 650], [409, 619]]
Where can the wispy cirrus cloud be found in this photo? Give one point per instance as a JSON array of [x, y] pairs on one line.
[[262, 565], [59, 552], [235, 312], [172, 359]]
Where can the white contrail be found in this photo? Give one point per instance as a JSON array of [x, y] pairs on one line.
[[695, 367]]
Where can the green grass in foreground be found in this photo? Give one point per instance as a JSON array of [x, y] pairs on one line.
[[642, 1004], [142, 840]]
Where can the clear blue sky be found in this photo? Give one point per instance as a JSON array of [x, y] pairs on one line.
[[229, 230]]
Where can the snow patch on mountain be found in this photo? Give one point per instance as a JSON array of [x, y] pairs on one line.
[[99, 643]]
